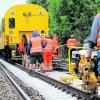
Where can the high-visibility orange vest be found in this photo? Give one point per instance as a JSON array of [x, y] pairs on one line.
[[49, 45], [21, 46], [98, 38], [72, 42], [36, 45]]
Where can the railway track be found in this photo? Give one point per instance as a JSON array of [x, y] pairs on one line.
[[48, 91], [20, 93], [79, 94], [60, 88]]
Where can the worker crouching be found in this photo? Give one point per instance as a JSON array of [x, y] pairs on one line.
[[47, 53]]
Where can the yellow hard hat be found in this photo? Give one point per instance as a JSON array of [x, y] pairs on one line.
[[92, 57]]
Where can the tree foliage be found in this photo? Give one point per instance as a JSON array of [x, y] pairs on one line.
[[70, 16], [43, 3]]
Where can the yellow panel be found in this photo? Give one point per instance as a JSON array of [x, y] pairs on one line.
[[26, 33]]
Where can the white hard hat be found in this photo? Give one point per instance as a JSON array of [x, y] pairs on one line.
[[47, 36], [72, 36]]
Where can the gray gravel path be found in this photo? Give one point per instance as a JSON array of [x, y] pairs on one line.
[[32, 93], [7, 92]]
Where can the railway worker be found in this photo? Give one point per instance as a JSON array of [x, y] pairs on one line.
[[94, 38], [33, 34], [22, 44], [43, 33], [56, 47], [35, 50], [72, 42], [55, 42], [47, 53], [22, 48]]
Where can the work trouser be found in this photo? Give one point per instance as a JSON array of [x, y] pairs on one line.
[[47, 56], [23, 59]]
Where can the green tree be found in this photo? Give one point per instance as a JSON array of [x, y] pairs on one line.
[[70, 16], [43, 3]]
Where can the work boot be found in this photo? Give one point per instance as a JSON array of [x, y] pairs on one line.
[[49, 70], [42, 71], [31, 72]]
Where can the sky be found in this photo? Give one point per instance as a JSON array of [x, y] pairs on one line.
[[6, 4]]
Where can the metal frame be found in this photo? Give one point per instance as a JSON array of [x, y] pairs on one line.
[[69, 56]]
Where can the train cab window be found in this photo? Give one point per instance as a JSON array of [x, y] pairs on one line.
[[11, 22]]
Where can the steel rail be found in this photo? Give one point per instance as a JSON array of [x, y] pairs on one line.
[[81, 95], [16, 86], [69, 90]]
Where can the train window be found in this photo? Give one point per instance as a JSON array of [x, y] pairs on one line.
[[11, 22]]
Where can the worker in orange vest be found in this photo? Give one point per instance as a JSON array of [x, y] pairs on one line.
[[22, 44], [55, 42], [72, 42], [22, 48], [47, 53], [56, 54], [35, 51]]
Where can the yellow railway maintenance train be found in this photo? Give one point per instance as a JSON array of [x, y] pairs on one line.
[[18, 20]]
